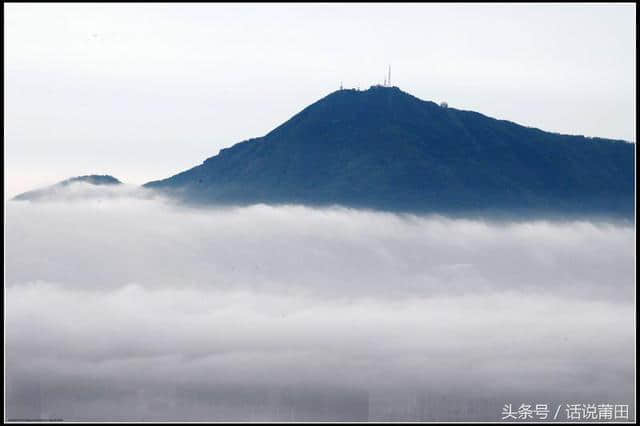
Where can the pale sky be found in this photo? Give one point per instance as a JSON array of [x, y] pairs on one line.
[[144, 91]]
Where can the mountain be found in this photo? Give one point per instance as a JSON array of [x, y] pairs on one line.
[[385, 149], [53, 191]]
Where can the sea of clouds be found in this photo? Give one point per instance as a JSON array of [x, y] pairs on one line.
[[121, 305]]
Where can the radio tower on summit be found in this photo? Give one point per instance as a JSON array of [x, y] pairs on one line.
[[389, 77]]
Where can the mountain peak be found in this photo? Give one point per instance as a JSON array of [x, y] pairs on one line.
[[52, 190], [92, 179], [383, 148], [372, 92]]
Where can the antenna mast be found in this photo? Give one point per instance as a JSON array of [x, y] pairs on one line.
[[389, 78]]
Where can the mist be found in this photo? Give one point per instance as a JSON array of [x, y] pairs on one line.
[[121, 305]]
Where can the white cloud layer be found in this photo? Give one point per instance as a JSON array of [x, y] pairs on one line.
[[129, 308]]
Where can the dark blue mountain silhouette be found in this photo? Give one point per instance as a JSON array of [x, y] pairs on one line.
[[384, 149]]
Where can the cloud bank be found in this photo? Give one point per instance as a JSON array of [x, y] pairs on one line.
[[133, 308]]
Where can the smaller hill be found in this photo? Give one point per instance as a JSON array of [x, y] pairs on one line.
[[51, 191]]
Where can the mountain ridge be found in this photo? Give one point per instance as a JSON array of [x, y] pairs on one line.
[[386, 149], [50, 191]]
